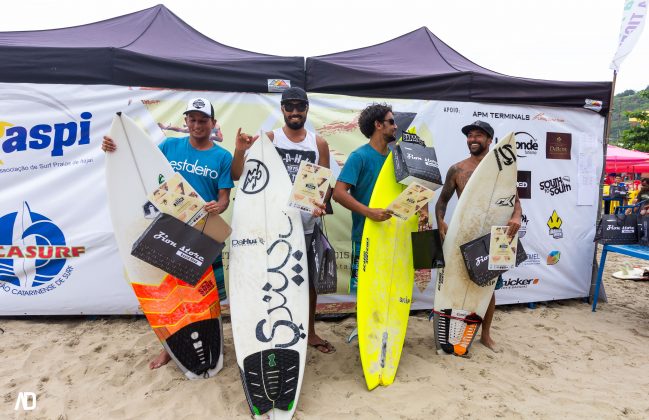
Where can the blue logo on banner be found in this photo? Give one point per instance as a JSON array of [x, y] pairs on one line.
[[33, 252]]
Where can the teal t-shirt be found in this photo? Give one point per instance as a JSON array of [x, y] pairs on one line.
[[361, 171], [207, 171]]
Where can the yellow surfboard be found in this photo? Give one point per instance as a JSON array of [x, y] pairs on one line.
[[385, 282]]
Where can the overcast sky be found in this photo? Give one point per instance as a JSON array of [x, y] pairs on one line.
[[550, 39]]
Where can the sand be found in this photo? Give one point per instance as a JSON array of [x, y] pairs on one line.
[[559, 360]]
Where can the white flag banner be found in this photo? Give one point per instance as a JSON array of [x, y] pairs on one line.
[[635, 12]]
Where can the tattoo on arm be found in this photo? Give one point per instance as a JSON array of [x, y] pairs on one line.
[[447, 192]]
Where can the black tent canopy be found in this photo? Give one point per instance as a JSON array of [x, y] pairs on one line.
[[152, 47], [418, 65]]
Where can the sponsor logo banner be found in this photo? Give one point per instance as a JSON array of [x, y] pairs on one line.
[[553, 257], [502, 115], [554, 224], [33, 253], [533, 258], [526, 144], [524, 184], [278, 85], [522, 231], [556, 186], [558, 145], [519, 283], [541, 116]]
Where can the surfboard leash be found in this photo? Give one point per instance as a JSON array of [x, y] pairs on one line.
[[443, 315]]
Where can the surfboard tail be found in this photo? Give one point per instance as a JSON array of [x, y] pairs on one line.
[[187, 320], [455, 330], [270, 380]]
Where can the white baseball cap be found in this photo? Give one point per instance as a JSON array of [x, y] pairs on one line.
[[200, 105]]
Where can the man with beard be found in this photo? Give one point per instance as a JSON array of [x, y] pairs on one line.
[[357, 178], [478, 138], [295, 144]]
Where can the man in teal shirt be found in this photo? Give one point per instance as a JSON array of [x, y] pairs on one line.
[[357, 178], [206, 166]]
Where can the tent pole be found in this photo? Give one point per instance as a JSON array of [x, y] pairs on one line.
[[607, 126], [610, 112]]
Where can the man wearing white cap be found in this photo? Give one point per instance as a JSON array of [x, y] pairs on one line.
[[205, 165]]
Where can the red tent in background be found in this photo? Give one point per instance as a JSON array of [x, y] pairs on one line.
[[623, 160]]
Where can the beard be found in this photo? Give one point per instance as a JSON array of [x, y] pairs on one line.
[[478, 151], [294, 125], [389, 138]]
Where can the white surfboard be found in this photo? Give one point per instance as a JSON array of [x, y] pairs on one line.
[[186, 319], [487, 200], [269, 290]]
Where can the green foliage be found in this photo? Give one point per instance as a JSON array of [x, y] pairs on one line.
[[627, 106], [628, 92], [637, 137]]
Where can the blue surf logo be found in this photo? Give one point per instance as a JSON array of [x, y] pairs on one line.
[[55, 137], [33, 253]]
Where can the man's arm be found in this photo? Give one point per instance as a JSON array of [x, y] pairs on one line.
[[238, 159], [341, 195], [444, 197], [224, 200], [323, 160], [514, 222], [323, 151], [242, 143]]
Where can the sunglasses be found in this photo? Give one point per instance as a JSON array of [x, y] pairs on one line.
[[391, 121], [290, 107]]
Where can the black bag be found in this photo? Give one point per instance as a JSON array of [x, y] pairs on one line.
[[416, 163], [476, 258], [618, 229], [643, 229], [427, 250], [177, 248], [322, 263]]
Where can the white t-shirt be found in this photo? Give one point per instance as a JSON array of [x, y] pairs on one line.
[[292, 154]]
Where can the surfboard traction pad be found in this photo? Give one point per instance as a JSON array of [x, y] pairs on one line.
[[455, 336], [270, 379], [186, 318]]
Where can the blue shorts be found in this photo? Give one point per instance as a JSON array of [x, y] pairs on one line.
[[353, 280], [217, 266], [499, 282]]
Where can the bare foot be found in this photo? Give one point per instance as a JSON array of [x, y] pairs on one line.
[[321, 345], [162, 359], [490, 344]]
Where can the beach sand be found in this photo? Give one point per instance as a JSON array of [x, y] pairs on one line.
[[559, 360]]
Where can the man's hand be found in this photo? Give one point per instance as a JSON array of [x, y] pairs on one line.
[[443, 228], [423, 218], [108, 145], [514, 224], [319, 209], [214, 207], [244, 141], [378, 215]]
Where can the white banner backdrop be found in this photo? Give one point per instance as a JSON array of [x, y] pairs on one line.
[[58, 255]]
